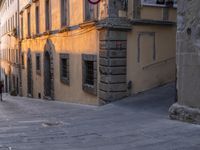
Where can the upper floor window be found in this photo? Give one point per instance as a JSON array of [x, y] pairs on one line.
[[64, 68], [29, 23], [22, 27], [37, 18], [17, 56], [64, 12], [48, 14], [159, 2], [16, 18], [91, 11], [22, 60], [9, 54], [38, 64]]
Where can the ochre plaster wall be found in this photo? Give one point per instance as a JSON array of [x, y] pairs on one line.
[[148, 73], [73, 43]]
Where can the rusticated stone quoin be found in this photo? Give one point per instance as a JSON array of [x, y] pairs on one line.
[[113, 51], [112, 65]]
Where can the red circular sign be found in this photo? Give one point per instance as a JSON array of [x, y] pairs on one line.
[[94, 1]]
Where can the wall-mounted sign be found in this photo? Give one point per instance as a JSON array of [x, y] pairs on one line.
[[94, 1]]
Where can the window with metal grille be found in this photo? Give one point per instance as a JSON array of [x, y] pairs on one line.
[[89, 72], [22, 57], [89, 63], [38, 64], [64, 68]]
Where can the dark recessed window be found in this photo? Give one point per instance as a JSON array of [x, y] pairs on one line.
[[37, 18], [89, 63], [160, 1], [89, 72], [64, 68], [22, 57], [22, 27], [38, 63], [29, 24], [17, 59], [91, 11], [48, 14], [64, 12]]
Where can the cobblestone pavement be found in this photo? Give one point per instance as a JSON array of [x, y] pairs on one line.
[[136, 123]]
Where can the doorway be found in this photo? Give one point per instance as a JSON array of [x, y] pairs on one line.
[[29, 77], [48, 70], [47, 75]]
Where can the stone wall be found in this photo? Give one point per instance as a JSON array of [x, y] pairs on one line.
[[188, 62]]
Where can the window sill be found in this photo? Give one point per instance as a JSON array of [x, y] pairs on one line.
[[38, 72], [89, 89], [28, 37], [64, 81], [47, 32], [64, 29], [36, 35]]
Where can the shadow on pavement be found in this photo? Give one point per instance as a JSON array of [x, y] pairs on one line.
[[157, 100]]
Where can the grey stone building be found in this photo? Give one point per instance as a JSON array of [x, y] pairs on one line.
[[188, 62]]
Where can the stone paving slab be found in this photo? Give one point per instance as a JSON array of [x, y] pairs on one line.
[[135, 123]]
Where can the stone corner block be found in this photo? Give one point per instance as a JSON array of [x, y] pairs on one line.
[[184, 113]]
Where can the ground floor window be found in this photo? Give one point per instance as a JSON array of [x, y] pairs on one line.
[[38, 64], [22, 60], [89, 72], [64, 68], [89, 65]]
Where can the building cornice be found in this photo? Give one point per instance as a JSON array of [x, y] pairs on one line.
[[118, 23], [152, 22], [27, 6]]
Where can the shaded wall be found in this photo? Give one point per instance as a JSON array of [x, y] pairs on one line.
[[188, 46]]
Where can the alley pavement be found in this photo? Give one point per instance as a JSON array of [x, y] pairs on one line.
[[135, 123]]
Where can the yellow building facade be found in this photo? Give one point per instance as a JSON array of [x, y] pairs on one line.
[[151, 48], [77, 52], [10, 64]]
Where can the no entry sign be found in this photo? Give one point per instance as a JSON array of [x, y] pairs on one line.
[[94, 1]]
